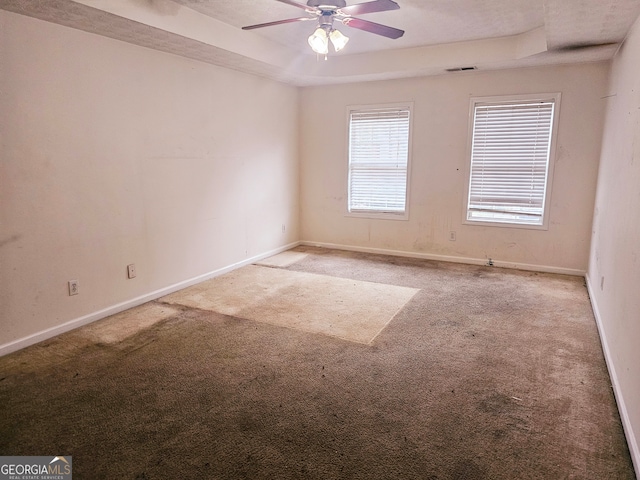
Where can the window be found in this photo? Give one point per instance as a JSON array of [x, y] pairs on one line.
[[379, 161], [511, 153]]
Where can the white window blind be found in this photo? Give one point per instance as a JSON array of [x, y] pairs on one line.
[[510, 161], [378, 160]]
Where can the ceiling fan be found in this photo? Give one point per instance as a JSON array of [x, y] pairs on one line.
[[327, 11]]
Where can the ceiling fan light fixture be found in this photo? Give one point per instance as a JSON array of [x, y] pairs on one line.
[[328, 11], [319, 42], [338, 40]]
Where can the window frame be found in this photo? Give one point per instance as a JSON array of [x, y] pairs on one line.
[[505, 100], [379, 214]]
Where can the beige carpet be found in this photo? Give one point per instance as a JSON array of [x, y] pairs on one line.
[[349, 309], [485, 374]]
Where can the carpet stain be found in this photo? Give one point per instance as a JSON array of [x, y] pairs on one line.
[[498, 404], [466, 469]]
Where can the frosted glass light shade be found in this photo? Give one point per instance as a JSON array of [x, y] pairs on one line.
[[338, 40], [319, 42]]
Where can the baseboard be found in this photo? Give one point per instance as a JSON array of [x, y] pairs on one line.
[[134, 302], [632, 441], [448, 258]]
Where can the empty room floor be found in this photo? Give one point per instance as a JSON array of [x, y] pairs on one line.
[[321, 364]]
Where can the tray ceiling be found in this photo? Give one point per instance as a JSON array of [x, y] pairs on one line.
[[439, 34]]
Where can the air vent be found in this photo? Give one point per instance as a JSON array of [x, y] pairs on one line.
[[575, 47], [461, 69]]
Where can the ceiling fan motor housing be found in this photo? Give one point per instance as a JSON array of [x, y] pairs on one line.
[[327, 4], [326, 20]]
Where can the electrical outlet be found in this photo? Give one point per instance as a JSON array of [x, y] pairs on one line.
[[74, 287], [131, 270], [284, 228], [452, 236]]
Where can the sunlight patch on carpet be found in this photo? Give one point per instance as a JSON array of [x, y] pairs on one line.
[[283, 259], [348, 309], [119, 327]]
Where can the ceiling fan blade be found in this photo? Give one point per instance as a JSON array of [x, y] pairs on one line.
[[372, 27], [369, 7], [277, 22]]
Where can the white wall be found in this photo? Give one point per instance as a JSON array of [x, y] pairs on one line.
[[614, 264], [114, 154], [439, 166]]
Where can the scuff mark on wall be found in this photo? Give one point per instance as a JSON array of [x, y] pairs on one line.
[[11, 239]]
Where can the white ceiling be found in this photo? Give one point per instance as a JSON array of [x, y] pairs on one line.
[[439, 34]]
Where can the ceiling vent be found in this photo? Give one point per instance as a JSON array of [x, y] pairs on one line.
[[461, 69], [575, 47]]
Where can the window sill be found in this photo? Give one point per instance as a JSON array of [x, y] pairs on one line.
[[526, 226], [379, 215]]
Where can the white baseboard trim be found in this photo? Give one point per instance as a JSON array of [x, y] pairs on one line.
[[632, 442], [134, 302], [448, 258]]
